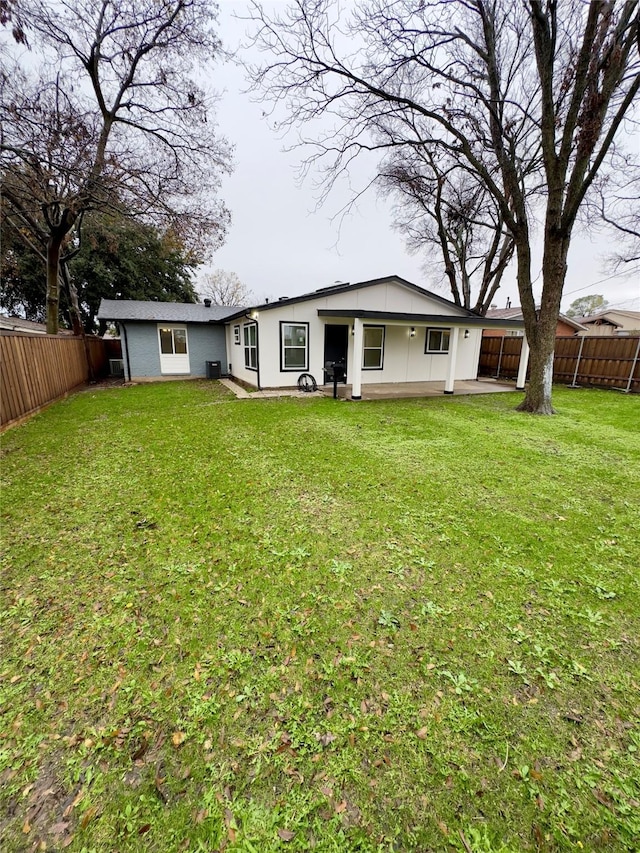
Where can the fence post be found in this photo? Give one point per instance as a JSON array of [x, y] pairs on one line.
[[500, 357], [573, 384], [633, 367]]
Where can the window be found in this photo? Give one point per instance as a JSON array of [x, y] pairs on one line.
[[294, 346], [251, 346], [236, 335], [173, 341], [437, 340], [373, 347]]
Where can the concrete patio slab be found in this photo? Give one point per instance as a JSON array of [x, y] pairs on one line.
[[379, 391], [406, 390]]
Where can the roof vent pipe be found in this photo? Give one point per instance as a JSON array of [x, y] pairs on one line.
[[207, 303]]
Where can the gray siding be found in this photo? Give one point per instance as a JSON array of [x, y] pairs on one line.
[[205, 343]]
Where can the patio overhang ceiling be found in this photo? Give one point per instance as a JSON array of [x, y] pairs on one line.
[[403, 319]]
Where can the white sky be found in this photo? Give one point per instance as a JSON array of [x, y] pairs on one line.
[[280, 244]]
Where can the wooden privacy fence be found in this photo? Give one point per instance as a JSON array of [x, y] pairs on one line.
[[38, 369], [602, 361]]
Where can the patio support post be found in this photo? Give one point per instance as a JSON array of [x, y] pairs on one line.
[[453, 355], [358, 340], [524, 363]]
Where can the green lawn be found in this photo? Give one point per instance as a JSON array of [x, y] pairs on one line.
[[306, 624]]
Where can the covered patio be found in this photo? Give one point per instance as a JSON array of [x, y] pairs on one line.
[[454, 330], [408, 390]]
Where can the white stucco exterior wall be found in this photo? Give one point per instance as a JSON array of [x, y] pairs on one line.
[[404, 360]]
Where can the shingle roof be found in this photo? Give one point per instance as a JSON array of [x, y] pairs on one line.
[[515, 313], [164, 312]]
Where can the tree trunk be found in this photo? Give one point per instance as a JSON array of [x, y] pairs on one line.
[[537, 399], [76, 317], [541, 324], [54, 245]]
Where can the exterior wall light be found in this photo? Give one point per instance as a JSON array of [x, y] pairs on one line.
[[412, 333], [466, 334]]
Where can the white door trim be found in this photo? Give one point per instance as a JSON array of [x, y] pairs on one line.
[[172, 362]]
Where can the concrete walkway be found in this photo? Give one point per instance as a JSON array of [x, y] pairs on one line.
[[379, 391], [242, 394]]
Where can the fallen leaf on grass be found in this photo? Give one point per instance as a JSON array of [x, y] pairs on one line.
[[537, 832], [140, 751], [422, 733], [88, 816], [326, 738], [230, 824], [178, 738], [286, 834], [72, 805], [601, 797]]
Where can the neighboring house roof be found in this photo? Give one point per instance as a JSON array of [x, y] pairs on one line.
[[164, 312], [18, 324], [515, 313], [613, 317], [347, 288]]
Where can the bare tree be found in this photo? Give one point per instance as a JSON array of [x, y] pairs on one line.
[[445, 210], [618, 206], [530, 98], [113, 117], [225, 288]]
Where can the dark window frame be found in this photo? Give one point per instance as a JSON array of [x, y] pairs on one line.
[[248, 347], [297, 368], [237, 337], [440, 350]]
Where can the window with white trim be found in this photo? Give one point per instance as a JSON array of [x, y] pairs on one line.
[[236, 335], [251, 346], [294, 346], [437, 340], [373, 347], [173, 340]]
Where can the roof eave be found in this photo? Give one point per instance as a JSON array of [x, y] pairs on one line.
[[474, 321]]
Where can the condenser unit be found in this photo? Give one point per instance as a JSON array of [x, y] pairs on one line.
[[116, 367]]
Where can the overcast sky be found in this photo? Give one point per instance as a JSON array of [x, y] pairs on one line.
[[280, 244]]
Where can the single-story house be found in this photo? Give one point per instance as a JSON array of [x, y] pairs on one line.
[[611, 323], [567, 326], [386, 330]]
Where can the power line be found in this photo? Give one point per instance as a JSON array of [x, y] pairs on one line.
[[608, 278]]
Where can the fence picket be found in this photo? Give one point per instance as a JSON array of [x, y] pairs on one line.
[[38, 369], [608, 362]]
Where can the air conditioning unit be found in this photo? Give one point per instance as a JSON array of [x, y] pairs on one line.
[[214, 369], [116, 367]]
